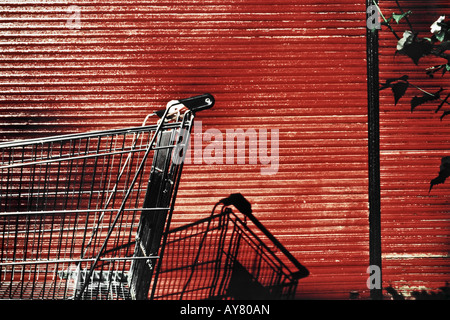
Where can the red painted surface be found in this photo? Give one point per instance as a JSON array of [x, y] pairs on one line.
[[415, 226], [298, 67]]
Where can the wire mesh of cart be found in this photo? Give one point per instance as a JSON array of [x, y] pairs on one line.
[[82, 216], [229, 255]]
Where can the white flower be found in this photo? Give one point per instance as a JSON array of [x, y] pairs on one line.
[[408, 37], [435, 28]]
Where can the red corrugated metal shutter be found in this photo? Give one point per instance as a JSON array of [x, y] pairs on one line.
[[415, 225], [296, 67]]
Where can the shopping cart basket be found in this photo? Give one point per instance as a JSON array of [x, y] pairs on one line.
[[82, 216], [228, 255]]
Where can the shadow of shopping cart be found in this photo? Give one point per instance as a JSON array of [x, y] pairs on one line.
[[228, 255]]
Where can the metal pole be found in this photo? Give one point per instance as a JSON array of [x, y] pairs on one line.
[[374, 154]]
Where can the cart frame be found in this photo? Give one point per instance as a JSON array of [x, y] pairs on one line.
[[83, 216]]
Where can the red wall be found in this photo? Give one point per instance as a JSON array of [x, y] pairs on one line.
[[415, 226], [295, 67]]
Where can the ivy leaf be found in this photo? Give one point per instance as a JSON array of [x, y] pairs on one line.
[[398, 17], [414, 47], [388, 82], [444, 172], [417, 101], [441, 36], [397, 85], [439, 28], [399, 90], [440, 48]]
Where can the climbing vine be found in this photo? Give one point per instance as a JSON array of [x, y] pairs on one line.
[[416, 46]]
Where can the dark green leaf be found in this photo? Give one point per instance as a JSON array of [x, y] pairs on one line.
[[440, 48], [417, 49], [417, 101], [398, 17], [388, 82], [444, 33], [441, 36], [444, 172], [399, 90]]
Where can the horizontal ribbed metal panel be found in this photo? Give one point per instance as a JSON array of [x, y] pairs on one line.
[[415, 224], [297, 67]]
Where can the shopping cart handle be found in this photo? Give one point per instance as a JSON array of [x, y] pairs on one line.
[[198, 103]]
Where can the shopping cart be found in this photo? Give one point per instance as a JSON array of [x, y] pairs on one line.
[[228, 255], [82, 216]]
